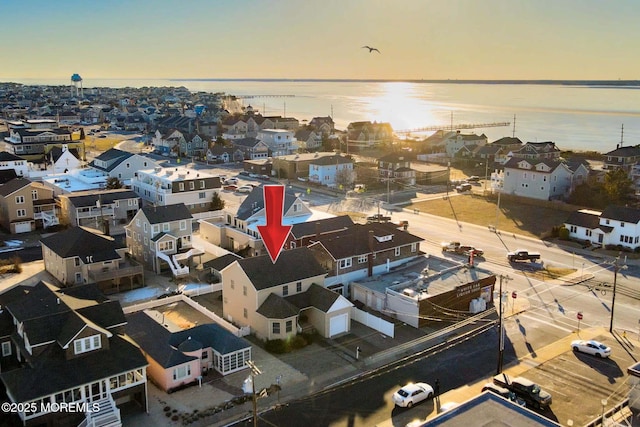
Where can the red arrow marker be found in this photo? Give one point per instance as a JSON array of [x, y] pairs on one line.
[[274, 233]]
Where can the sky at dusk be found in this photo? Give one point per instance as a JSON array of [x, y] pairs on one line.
[[419, 39]]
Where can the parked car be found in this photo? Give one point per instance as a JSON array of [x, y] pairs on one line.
[[411, 394], [501, 391], [231, 181], [592, 347], [378, 218], [473, 178], [522, 255], [526, 389], [230, 187], [243, 173], [463, 187], [245, 189]]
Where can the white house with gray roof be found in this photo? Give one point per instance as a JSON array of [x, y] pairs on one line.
[[543, 179], [332, 171], [615, 226], [121, 164], [10, 161]]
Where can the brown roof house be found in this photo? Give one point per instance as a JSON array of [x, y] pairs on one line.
[[279, 300], [26, 205]]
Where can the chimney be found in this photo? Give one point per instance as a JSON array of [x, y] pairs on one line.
[[370, 256]]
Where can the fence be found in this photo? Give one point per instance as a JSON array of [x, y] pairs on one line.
[[373, 322]]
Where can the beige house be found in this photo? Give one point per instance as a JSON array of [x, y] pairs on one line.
[[78, 256], [160, 238], [88, 207], [26, 205], [279, 300]]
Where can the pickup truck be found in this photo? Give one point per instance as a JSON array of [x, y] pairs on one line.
[[526, 389], [457, 248], [522, 255], [378, 218]]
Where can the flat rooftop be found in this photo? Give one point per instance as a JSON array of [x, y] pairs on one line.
[[425, 277]]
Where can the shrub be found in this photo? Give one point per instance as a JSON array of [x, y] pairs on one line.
[[563, 233], [297, 342], [275, 346]]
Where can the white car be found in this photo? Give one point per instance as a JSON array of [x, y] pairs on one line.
[[245, 189], [231, 181], [595, 348], [411, 394]]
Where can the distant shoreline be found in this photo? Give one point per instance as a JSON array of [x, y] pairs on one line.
[[595, 83]]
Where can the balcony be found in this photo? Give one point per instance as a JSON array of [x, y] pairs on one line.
[[96, 212], [125, 268]]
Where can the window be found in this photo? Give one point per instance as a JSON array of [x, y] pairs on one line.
[[244, 290], [202, 184], [414, 247], [285, 290], [362, 259], [6, 348], [397, 251], [299, 287], [181, 186], [573, 229], [289, 326], [344, 263], [83, 345], [205, 355], [34, 194], [19, 200], [621, 224], [166, 227], [202, 195], [233, 284], [192, 185], [165, 246], [156, 229], [292, 245], [21, 213], [181, 372], [275, 328], [145, 227], [245, 313], [588, 233], [183, 225]]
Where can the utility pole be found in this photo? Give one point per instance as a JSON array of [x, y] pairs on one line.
[[448, 177], [254, 371], [616, 268], [501, 327]]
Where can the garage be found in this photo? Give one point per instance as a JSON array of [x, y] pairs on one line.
[[338, 325], [22, 227]]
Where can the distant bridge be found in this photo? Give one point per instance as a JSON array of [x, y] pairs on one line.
[[259, 96], [453, 127]]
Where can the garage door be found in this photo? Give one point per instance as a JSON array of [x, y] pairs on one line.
[[23, 227], [338, 325]]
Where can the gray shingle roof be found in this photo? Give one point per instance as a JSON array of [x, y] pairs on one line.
[[221, 262], [292, 265], [583, 219], [316, 296], [254, 202], [624, 152], [322, 226], [276, 307], [87, 199], [622, 213], [168, 213], [78, 242], [13, 186], [5, 156]]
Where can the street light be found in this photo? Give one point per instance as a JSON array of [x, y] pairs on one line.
[[501, 328], [616, 267]]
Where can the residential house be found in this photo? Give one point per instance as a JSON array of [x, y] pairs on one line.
[[237, 231], [616, 226], [308, 140], [323, 125], [252, 148], [26, 205], [362, 251], [296, 166], [538, 150], [276, 301], [280, 142], [159, 237], [183, 357], [121, 164], [362, 135], [88, 208], [182, 184], [218, 153], [7, 175], [68, 346], [455, 141], [538, 178], [627, 159], [396, 167], [33, 142], [10, 161], [507, 146], [305, 233], [580, 169], [332, 171], [78, 256], [168, 142], [276, 122], [262, 167]]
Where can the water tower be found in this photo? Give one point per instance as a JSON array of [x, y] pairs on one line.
[[76, 82]]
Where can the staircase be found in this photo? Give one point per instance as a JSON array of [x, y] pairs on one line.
[[108, 415], [48, 218], [176, 270]]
